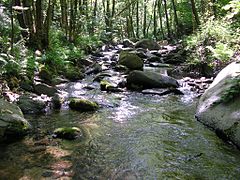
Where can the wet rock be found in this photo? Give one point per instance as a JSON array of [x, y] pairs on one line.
[[12, 122], [148, 80], [162, 92], [130, 60], [94, 69], [108, 86], [26, 84], [121, 68], [128, 43], [83, 104], [57, 101], [59, 80], [45, 74], [219, 106], [73, 73], [42, 88], [30, 104], [147, 44], [69, 133], [100, 76], [154, 58]]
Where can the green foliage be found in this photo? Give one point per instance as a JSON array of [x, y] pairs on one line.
[[233, 9], [215, 40], [233, 91], [221, 51]]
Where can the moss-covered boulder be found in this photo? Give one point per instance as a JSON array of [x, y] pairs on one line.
[[83, 104], [147, 44], [219, 106], [42, 88], [73, 73], [68, 133], [147, 80], [30, 104], [12, 122], [130, 60], [45, 74]]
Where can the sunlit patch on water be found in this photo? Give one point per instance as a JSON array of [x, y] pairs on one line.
[[125, 111]]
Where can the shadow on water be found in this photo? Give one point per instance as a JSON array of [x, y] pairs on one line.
[[142, 137]]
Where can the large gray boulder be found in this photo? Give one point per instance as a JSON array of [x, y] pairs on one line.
[[12, 122], [147, 44], [148, 80], [130, 60], [219, 106]]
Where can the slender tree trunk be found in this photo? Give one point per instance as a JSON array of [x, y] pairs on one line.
[[195, 13], [64, 16], [94, 17], [47, 24], [12, 26], [160, 17], [167, 19], [137, 19], [144, 18], [175, 17], [155, 20]]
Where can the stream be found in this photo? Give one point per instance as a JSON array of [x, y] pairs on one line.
[[139, 137], [132, 136]]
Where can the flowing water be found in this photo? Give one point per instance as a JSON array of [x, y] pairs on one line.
[[133, 136]]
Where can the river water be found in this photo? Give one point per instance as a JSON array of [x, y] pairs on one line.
[[132, 136]]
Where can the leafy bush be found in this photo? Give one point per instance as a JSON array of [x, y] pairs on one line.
[[215, 40]]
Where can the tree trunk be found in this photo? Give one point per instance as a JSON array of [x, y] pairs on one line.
[[137, 19], [64, 16], [145, 18], [167, 19], [160, 17], [155, 20], [195, 13], [39, 24], [175, 17]]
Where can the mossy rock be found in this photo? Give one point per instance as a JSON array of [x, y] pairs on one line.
[[83, 105], [147, 44], [46, 74], [106, 85], [12, 122], [13, 82], [73, 73], [130, 60], [69, 133]]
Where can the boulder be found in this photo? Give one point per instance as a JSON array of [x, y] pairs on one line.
[[68, 133], [42, 88], [73, 73], [147, 44], [130, 60], [30, 104], [45, 74], [128, 43], [148, 80], [83, 105], [12, 122], [219, 106]]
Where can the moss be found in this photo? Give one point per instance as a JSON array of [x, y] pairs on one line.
[[83, 104], [73, 73], [105, 85], [232, 92], [130, 60], [67, 132]]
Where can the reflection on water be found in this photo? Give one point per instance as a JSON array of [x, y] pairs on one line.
[[137, 137]]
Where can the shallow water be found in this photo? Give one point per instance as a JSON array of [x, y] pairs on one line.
[[133, 136]]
